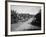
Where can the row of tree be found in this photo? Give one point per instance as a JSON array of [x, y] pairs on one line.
[[15, 17]]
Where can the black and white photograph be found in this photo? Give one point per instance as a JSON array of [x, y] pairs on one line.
[[25, 18]]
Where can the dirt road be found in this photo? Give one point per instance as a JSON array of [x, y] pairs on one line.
[[24, 25]]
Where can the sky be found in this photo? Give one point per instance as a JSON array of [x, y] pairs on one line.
[[33, 10]]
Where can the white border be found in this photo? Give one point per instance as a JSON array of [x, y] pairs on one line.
[[24, 32]]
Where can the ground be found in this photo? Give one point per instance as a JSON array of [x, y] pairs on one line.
[[20, 26]]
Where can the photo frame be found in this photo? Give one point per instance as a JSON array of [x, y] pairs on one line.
[[18, 9]]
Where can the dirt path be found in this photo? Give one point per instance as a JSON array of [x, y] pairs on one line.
[[25, 25]]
